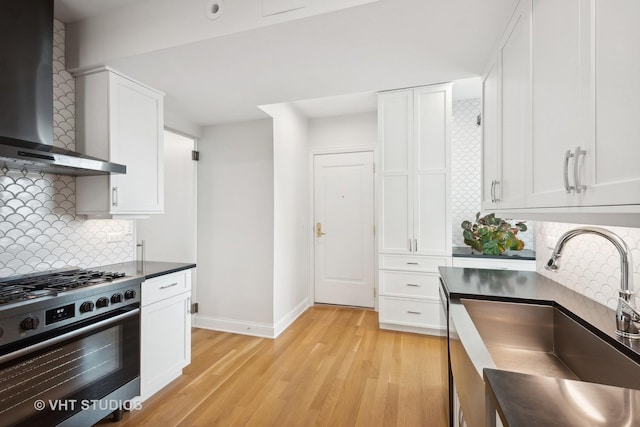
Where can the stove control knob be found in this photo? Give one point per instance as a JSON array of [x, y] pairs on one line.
[[102, 302], [30, 323], [130, 294], [116, 298], [86, 307]]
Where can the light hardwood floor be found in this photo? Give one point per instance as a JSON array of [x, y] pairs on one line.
[[333, 366]]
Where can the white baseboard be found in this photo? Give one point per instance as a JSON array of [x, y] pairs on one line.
[[255, 329], [414, 329], [291, 316]]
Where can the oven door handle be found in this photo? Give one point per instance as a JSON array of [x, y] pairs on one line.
[[68, 335]]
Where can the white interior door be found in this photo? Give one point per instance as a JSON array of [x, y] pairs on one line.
[[344, 233], [171, 237]]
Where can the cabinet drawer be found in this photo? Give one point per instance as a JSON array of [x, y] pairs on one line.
[[166, 286], [418, 313], [495, 264], [413, 263], [410, 284]]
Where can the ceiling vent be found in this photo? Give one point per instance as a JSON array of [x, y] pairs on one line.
[[214, 9]]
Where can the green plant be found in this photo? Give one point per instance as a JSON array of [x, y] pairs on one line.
[[491, 235]]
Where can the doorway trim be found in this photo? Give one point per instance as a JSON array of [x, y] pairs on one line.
[[311, 230]]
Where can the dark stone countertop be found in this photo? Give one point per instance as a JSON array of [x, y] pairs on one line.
[[531, 287], [519, 399], [467, 252], [147, 269]]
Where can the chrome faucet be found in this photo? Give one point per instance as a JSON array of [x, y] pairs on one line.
[[627, 317]]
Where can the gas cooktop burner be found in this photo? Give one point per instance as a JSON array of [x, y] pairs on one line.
[[52, 284]]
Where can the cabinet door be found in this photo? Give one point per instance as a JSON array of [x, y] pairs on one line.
[[490, 142], [514, 65], [612, 166], [431, 214], [395, 121], [166, 342], [560, 76], [136, 127]]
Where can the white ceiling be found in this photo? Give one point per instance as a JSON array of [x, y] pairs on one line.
[[77, 10], [382, 45]]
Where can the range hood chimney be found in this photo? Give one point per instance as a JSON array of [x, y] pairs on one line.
[[26, 95]]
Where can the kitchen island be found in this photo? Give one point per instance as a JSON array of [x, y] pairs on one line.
[[532, 288]]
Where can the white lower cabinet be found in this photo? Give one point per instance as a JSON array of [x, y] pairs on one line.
[[409, 299], [165, 330]]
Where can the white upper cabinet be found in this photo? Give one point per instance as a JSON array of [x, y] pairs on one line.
[[415, 136], [514, 100], [612, 160], [491, 170], [431, 211], [395, 122], [568, 137], [560, 85], [120, 120]]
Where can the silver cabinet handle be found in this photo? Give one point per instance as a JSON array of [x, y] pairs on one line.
[[576, 175], [413, 285], [415, 244], [412, 263], [568, 188], [496, 199], [493, 191], [413, 312], [410, 246], [169, 286], [114, 196]]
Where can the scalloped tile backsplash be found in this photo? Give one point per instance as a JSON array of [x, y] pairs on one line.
[[39, 229], [466, 170], [589, 264]]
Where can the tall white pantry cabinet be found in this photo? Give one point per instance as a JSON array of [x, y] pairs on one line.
[[414, 208]]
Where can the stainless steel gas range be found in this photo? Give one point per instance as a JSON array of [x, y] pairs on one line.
[[69, 347]]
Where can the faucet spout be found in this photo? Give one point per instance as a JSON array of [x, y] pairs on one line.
[[627, 318], [626, 279]]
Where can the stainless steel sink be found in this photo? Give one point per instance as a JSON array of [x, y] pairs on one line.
[[541, 340], [527, 338]]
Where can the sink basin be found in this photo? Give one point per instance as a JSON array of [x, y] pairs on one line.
[[542, 340]]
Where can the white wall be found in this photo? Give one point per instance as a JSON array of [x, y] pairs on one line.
[[347, 130], [172, 23], [235, 227], [178, 123], [291, 214]]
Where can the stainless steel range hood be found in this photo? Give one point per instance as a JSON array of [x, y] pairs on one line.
[[47, 158], [26, 95]]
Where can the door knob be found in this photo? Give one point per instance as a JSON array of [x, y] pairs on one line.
[[319, 232]]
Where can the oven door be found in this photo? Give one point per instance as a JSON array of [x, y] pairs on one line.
[[54, 375]]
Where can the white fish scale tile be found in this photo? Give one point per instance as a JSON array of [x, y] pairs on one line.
[[589, 265], [466, 172], [39, 229]]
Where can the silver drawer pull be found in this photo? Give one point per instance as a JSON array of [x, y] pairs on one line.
[[169, 286], [413, 284], [413, 312], [412, 263]]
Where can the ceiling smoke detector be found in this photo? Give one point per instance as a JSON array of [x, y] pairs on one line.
[[214, 9]]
